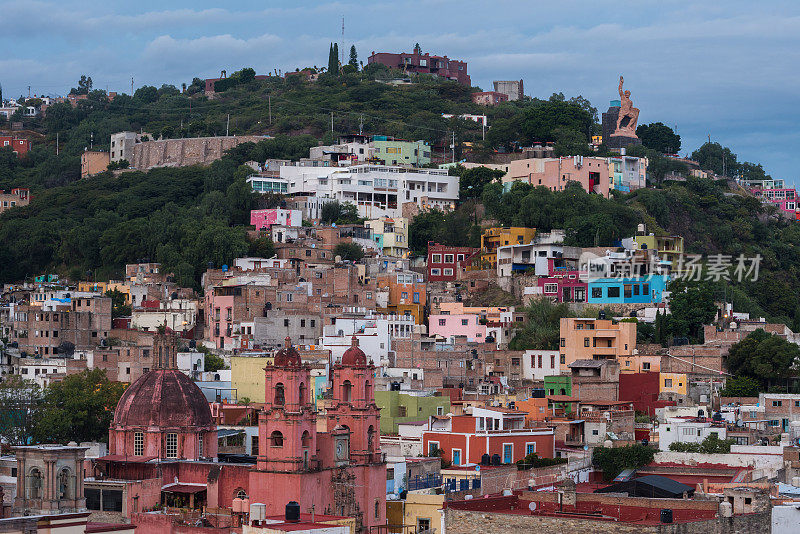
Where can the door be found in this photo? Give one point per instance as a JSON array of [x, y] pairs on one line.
[[508, 453], [456, 457]]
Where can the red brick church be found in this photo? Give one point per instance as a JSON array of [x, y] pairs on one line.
[[163, 443]]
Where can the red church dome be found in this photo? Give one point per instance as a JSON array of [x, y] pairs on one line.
[[164, 398], [354, 356], [287, 356]]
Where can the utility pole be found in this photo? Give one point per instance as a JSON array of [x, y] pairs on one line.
[[29, 91], [453, 146], [227, 125], [361, 125], [91, 140], [331, 121], [56, 143], [132, 90], [269, 100], [342, 51]]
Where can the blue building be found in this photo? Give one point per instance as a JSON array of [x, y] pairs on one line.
[[641, 290]]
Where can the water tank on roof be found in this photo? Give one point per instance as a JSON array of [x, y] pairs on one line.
[[486, 459], [258, 511], [725, 509], [292, 512], [496, 460]]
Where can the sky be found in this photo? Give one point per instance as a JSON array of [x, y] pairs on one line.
[[727, 70]]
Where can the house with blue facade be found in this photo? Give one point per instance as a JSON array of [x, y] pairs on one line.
[[647, 289]]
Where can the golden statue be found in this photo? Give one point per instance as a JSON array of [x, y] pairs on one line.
[[628, 115]]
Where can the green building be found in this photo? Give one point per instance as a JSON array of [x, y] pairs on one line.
[[397, 407], [559, 385], [397, 152]]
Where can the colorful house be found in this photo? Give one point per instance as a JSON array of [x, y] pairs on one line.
[[391, 235], [627, 173], [397, 407], [641, 290], [493, 238], [445, 263], [563, 285], [393, 151], [407, 294], [264, 219], [450, 326]]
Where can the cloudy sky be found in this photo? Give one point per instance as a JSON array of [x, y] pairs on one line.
[[725, 69]]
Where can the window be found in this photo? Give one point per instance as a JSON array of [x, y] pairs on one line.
[[448, 272], [402, 411], [667, 382], [200, 445], [563, 342], [645, 289], [138, 443], [302, 323], [440, 410], [442, 322], [286, 322], [595, 432], [416, 297], [563, 359], [551, 288], [280, 397], [276, 439], [646, 366], [688, 432], [777, 403], [530, 448], [586, 342], [172, 445], [377, 509], [628, 290], [597, 292], [464, 322], [436, 258], [423, 524], [404, 295], [613, 292], [436, 272], [448, 258]]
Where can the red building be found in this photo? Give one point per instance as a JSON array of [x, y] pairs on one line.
[[465, 439], [489, 98], [19, 146], [445, 262], [163, 439], [642, 390], [420, 63]]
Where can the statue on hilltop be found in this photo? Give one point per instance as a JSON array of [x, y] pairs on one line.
[[628, 115]]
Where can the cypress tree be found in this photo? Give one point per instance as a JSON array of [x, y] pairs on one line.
[[332, 70], [336, 58], [353, 57]]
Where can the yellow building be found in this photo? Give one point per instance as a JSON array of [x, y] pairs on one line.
[[89, 287], [423, 512], [640, 363], [500, 237], [672, 383], [391, 234], [247, 376], [122, 287], [669, 247]]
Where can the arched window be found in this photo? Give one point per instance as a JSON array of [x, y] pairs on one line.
[[34, 484], [303, 394], [371, 438], [276, 439], [347, 391], [306, 439], [64, 484], [367, 391], [280, 397], [159, 357], [240, 494]]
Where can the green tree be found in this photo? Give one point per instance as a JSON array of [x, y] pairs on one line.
[[691, 306], [741, 386], [213, 363], [119, 305], [570, 143], [78, 408], [716, 158], [542, 328], [19, 401], [473, 180], [353, 57], [146, 94], [660, 137], [349, 251], [262, 247], [339, 213], [84, 86], [540, 121], [765, 357], [612, 461]]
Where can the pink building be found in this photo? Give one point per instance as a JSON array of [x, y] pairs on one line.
[[420, 63], [220, 318], [556, 173], [785, 199], [563, 284], [449, 326], [262, 219]]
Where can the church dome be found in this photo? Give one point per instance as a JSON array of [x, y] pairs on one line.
[[354, 356], [287, 356], [163, 398]]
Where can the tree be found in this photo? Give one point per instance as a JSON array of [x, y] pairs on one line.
[[353, 57], [146, 93], [339, 213], [540, 121], [765, 357], [349, 251], [659, 137], [473, 180], [84, 86], [570, 143], [741, 386], [119, 305], [212, 362], [79, 408], [542, 329], [612, 461], [691, 306], [716, 158], [262, 247], [19, 400], [417, 49]]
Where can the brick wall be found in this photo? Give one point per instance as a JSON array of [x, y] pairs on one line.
[[182, 152]]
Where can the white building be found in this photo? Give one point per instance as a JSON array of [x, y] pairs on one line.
[[42, 370], [687, 430], [122, 144], [178, 314], [374, 334], [537, 364], [191, 363], [536, 256], [376, 190]]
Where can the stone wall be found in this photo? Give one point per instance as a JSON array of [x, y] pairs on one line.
[[183, 152]]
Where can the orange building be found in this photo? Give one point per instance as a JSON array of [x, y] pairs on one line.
[[404, 293], [93, 163], [595, 339]]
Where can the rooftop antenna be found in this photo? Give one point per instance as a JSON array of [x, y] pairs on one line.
[[131, 85], [342, 50]]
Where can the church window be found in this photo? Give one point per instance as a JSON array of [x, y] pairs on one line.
[[303, 393], [35, 484], [276, 439], [200, 445], [138, 443], [240, 494], [63, 484], [347, 391], [368, 391], [172, 445], [371, 438], [306, 439], [280, 397]]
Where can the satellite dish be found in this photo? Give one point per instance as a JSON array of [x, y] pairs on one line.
[[532, 506]]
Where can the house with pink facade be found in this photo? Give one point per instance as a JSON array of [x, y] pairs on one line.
[[785, 198], [264, 219], [563, 285], [450, 326]]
